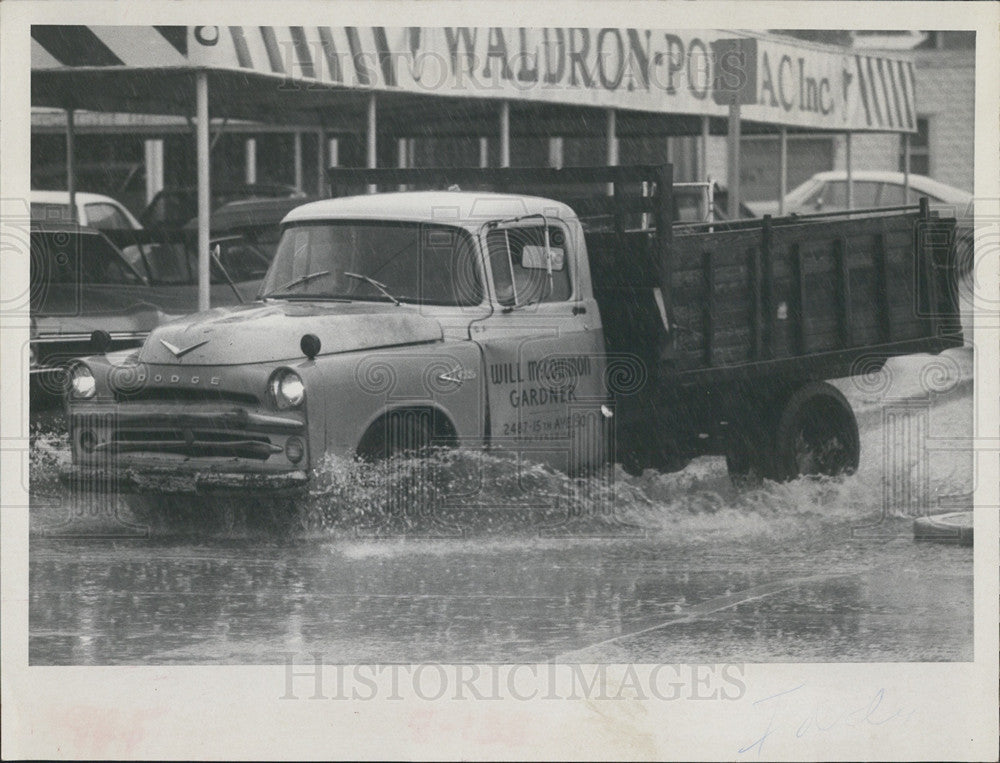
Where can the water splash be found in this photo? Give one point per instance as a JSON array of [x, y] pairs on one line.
[[496, 496]]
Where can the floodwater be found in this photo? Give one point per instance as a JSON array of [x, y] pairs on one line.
[[501, 565]]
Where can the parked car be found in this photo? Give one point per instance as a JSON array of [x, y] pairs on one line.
[[124, 283], [81, 283], [691, 205], [827, 192], [92, 209], [247, 233], [174, 207], [168, 260]]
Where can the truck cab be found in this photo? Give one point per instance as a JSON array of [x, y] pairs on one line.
[[385, 323]]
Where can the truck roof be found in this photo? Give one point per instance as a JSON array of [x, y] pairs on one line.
[[462, 208]]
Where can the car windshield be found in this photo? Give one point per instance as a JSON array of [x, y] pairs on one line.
[[106, 216], [411, 262], [798, 195]]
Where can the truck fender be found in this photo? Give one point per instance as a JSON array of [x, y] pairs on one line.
[[439, 429]]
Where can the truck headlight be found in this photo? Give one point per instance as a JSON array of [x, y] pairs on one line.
[[287, 389], [81, 382]]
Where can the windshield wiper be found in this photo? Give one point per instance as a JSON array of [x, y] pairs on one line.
[[304, 297], [303, 279], [225, 274], [377, 284]]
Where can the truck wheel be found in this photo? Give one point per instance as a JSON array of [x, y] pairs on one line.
[[817, 433], [399, 433], [402, 433]]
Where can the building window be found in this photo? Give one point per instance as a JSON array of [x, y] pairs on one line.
[[920, 149]]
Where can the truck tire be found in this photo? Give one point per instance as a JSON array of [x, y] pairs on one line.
[[816, 434], [403, 432]]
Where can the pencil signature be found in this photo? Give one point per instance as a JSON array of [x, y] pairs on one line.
[[790, 717]]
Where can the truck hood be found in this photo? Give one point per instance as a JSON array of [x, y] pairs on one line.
[[270, 332]]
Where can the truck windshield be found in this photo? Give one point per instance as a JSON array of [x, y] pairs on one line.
[[413, 262]]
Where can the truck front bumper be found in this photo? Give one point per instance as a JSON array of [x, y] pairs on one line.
[[171, 479]]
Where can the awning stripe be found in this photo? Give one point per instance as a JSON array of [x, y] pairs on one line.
[[911, 88], [330, 51], [242, 50], [875, 106], [240, 44], [895, 92], [176, 36], [885, 92], [74, 46], [273, 51], [357, 55], [302, 51], [384, 56], [864, 90], [41, 58], [141, 42]]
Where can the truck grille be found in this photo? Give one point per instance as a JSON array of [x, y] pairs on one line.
[[181, 395], [193, 442], [228, 433]]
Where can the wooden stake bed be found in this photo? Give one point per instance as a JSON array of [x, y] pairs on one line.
[[790, 299]]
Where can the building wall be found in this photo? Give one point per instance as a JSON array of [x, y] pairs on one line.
[[946, 98], [946, 95]]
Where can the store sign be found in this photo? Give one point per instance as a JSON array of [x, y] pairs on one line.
[[698, 72]]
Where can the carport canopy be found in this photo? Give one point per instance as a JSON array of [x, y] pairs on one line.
[[468, 81]]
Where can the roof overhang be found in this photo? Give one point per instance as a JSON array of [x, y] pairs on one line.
[[448, 80]]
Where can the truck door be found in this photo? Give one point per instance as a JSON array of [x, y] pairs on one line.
[[542, 344]]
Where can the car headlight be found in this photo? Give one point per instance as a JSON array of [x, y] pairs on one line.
[[82, 384], [287, 389]]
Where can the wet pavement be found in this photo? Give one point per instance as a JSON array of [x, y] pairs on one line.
[[515, 601], [686, 570]]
